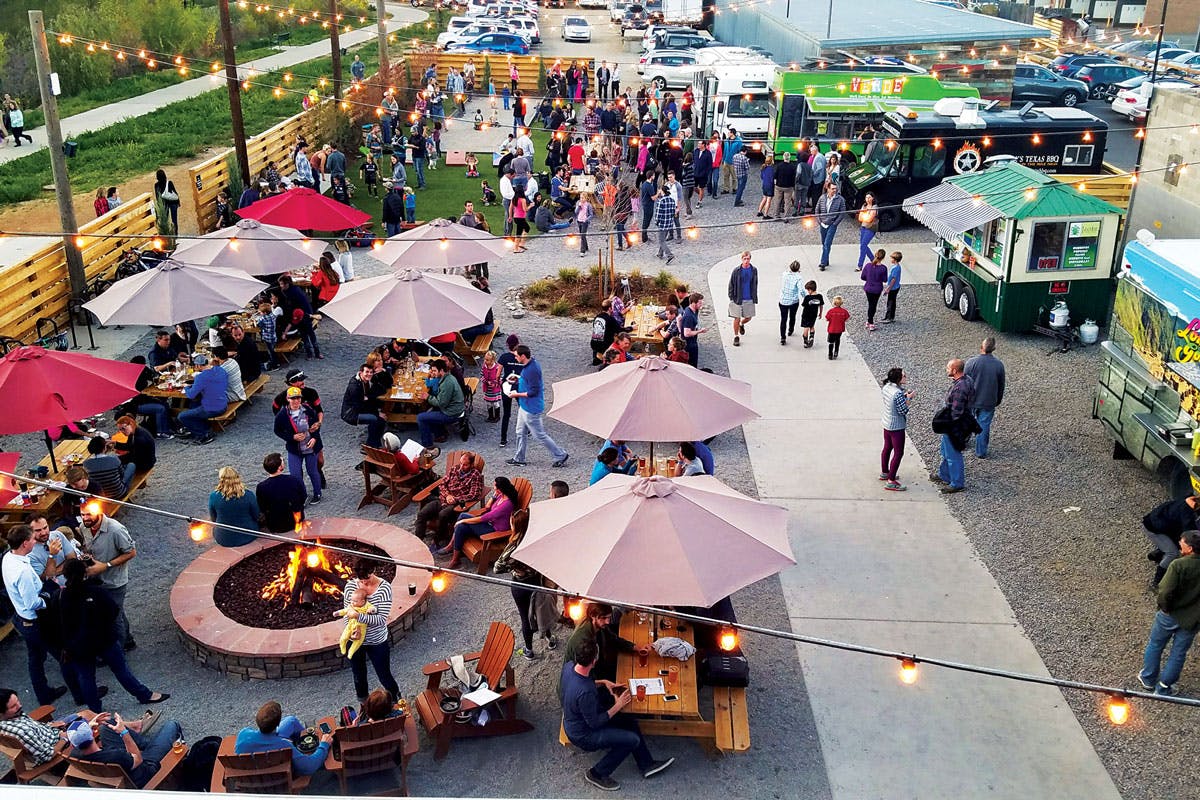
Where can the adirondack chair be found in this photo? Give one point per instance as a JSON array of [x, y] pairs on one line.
[[483, 551], [380, 746], [82, 772], [452, 458], [493, 665], [260, 773], [23, 768], [395, 488]]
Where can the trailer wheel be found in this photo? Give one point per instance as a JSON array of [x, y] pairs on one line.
[[889, 219], [951, 286], [967, 309]]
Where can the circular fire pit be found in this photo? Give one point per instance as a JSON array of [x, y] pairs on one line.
[[290, 644]]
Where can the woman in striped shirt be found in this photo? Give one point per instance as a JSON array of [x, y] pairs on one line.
[[375, 643]]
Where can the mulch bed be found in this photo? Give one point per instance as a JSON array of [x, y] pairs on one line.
[[579, 296], [238, 592]]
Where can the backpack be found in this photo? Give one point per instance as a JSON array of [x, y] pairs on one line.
[[196, 769]]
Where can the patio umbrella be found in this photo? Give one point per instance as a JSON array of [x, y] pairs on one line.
[[173, 292], [253, 247], [305, 210], [408, 304], [656, 541], [46, 389], [8, 486], [652, 400], [441, 244]]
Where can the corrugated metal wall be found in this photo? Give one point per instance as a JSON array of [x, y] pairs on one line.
[[754, 26]]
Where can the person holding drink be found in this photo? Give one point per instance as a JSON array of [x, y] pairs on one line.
[[596, 629], [592, 720]]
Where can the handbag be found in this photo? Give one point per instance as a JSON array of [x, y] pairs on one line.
[[169, 196]]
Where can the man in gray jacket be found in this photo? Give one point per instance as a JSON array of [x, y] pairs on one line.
[[987, 372]]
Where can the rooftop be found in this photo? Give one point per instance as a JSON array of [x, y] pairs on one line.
[[1004, 186]]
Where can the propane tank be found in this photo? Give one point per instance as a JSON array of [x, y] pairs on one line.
[[1089, 332], [1060, 315]]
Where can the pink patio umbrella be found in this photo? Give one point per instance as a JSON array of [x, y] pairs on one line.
[[305, 210], [441, 244], [656, 541], [253, 247], [409, 304], [8, 486], [173, 292], [652, 400]]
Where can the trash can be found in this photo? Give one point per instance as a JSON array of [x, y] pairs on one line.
[[70, 147]]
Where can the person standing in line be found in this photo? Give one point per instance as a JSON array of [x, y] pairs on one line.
[[785, 187], [531, 402], [987, 375], [891, 289], [874, 276], [767, 176], [837, 318], [829, 210], [583, 218], [868, 221], [741, 173], [602, 77], [817, 164], [743, 296], [1178, 618], [789, 301], [614, 80], [665, 214], [112, 549], [957, 429], [895, 421], [375, 641]]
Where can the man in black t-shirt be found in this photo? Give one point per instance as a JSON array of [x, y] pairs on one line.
[[604, 331], [280, 497], [115, 743]]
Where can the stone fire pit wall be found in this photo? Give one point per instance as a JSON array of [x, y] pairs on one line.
[[219, 643]]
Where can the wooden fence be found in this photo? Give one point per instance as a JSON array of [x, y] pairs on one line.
[[1111, 186], [38, 285], [528, 68]]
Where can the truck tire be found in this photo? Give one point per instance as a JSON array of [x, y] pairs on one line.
[[967, 308], [889, 219], [951, 287]]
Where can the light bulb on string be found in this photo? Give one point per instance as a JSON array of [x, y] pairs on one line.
[[1037, 139], [576, 609], [727, 639], [1118, 709], [751, 227], [439, 581], [908, 671], [197, 531]]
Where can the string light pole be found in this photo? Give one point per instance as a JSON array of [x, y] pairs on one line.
[[335, 46], [234, 87]]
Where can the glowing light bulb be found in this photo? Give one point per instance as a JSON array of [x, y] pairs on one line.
[[234, 244], [156, 244], [908, 671], [751, 227], [79, 241], [443, 243], [439, 581], [987, 141], [937, 144], [1037, 139], [1141, 133], [727, 640], [94, 508], [1030, 194], [1118, 709], [693, 232], [1082, 186], [197, 531], [575, 610], [375, 245]]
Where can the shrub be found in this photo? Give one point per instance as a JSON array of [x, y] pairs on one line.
[[664, 280], [568, 275], [560, 307], [538, 289], [635, 275]]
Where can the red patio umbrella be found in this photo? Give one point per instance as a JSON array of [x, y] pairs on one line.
[[8, 486], [306, 210], [44, 389]]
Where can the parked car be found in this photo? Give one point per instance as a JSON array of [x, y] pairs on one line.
[[1189, 60], [616, 10], [494, 43], [636, 18], [1133, 103], [593, 3], [668, 69], [453, 37], [1040, 85], [1067, 65], [1139, 48], [1165, 54], [677, 40], [576, 29], [527, 27], [1100, 77]]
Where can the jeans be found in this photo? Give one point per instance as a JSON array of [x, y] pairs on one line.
[[429, 421], [620, 738], [951, 468], [476, 330], [1164, 629], [419, 165], [381, 660], [465, 530], [787, 319], [531, 425], [410, 215], [128, 470], [385, 124], [647, 215], [154, 747], [583, 229], [872, 305], [741, 187], [893, 446], [984, 417], [507, 218], [828, 233], [375, 427], [865, 256], [524, 599], [36, 651], [392, 228], [117, 593], [1169, 545], [890, 308], [308, 337], [299, 462], [158, 413], [619, 227], [114, 656], [663, 233], [432, 510], [688, 191], [195, 420]]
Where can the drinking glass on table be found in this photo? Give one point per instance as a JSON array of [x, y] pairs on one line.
[[641, 692], [673, 676]]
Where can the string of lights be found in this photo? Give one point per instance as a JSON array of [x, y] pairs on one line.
[[1117, 698]]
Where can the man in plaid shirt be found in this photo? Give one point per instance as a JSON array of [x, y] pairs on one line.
[[665, 210], [591, 121], [741, 171], [461, 487], [38, 738]]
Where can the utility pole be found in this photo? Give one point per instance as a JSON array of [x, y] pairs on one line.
[[234, 86], [336, 47], [381, 35], [58, 161]]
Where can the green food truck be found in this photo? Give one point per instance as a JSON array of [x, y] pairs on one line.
[[836, 107], [1148, 396], [1021, 249]]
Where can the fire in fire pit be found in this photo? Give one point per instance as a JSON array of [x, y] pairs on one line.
[[310, 571]]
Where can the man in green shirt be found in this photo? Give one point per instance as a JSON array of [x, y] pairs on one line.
[[596, 629], [1178, 617], [446, 402]]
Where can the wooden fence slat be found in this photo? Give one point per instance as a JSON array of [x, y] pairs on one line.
[[527, 68]]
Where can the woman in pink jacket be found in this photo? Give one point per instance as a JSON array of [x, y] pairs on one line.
[[494, 516]]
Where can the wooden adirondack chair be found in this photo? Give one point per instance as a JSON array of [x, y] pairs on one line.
[[82, 772], [395, 488], [484, 550], [260, 773], [23, 768], [452, 458], [493, 665], [380, 746]]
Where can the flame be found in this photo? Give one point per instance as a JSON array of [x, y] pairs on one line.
[[314, 557]]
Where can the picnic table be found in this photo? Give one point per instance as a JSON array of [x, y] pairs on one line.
[[644, 321], [408, 395], [67, 453]]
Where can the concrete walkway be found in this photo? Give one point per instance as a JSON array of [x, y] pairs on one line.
[[891, 570], [104, 116]]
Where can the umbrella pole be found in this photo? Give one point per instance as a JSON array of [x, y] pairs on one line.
[[50, 447]]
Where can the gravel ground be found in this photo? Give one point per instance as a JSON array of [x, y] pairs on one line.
[[786, 765], [1087, 567]]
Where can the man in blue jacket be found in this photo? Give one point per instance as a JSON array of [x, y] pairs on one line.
[[531, 403], [273, 731], [207, 394]]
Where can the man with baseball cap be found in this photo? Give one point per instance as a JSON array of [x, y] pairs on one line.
[[108, 739], [296, 377]]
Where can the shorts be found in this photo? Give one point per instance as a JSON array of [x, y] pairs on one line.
[[742, 310], [769, 193], [520, 226], [808, 320]]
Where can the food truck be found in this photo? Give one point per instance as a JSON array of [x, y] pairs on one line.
[[916, 149], [1020, 249], [733, 87], [1148, 397]]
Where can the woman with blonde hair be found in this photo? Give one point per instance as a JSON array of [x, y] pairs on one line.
[[230, 504]]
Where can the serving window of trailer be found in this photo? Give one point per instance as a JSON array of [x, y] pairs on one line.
[[1059, 245], [988, 240]]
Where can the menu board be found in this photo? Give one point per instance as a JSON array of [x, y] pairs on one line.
[[1064, 245], [1083, 241]]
